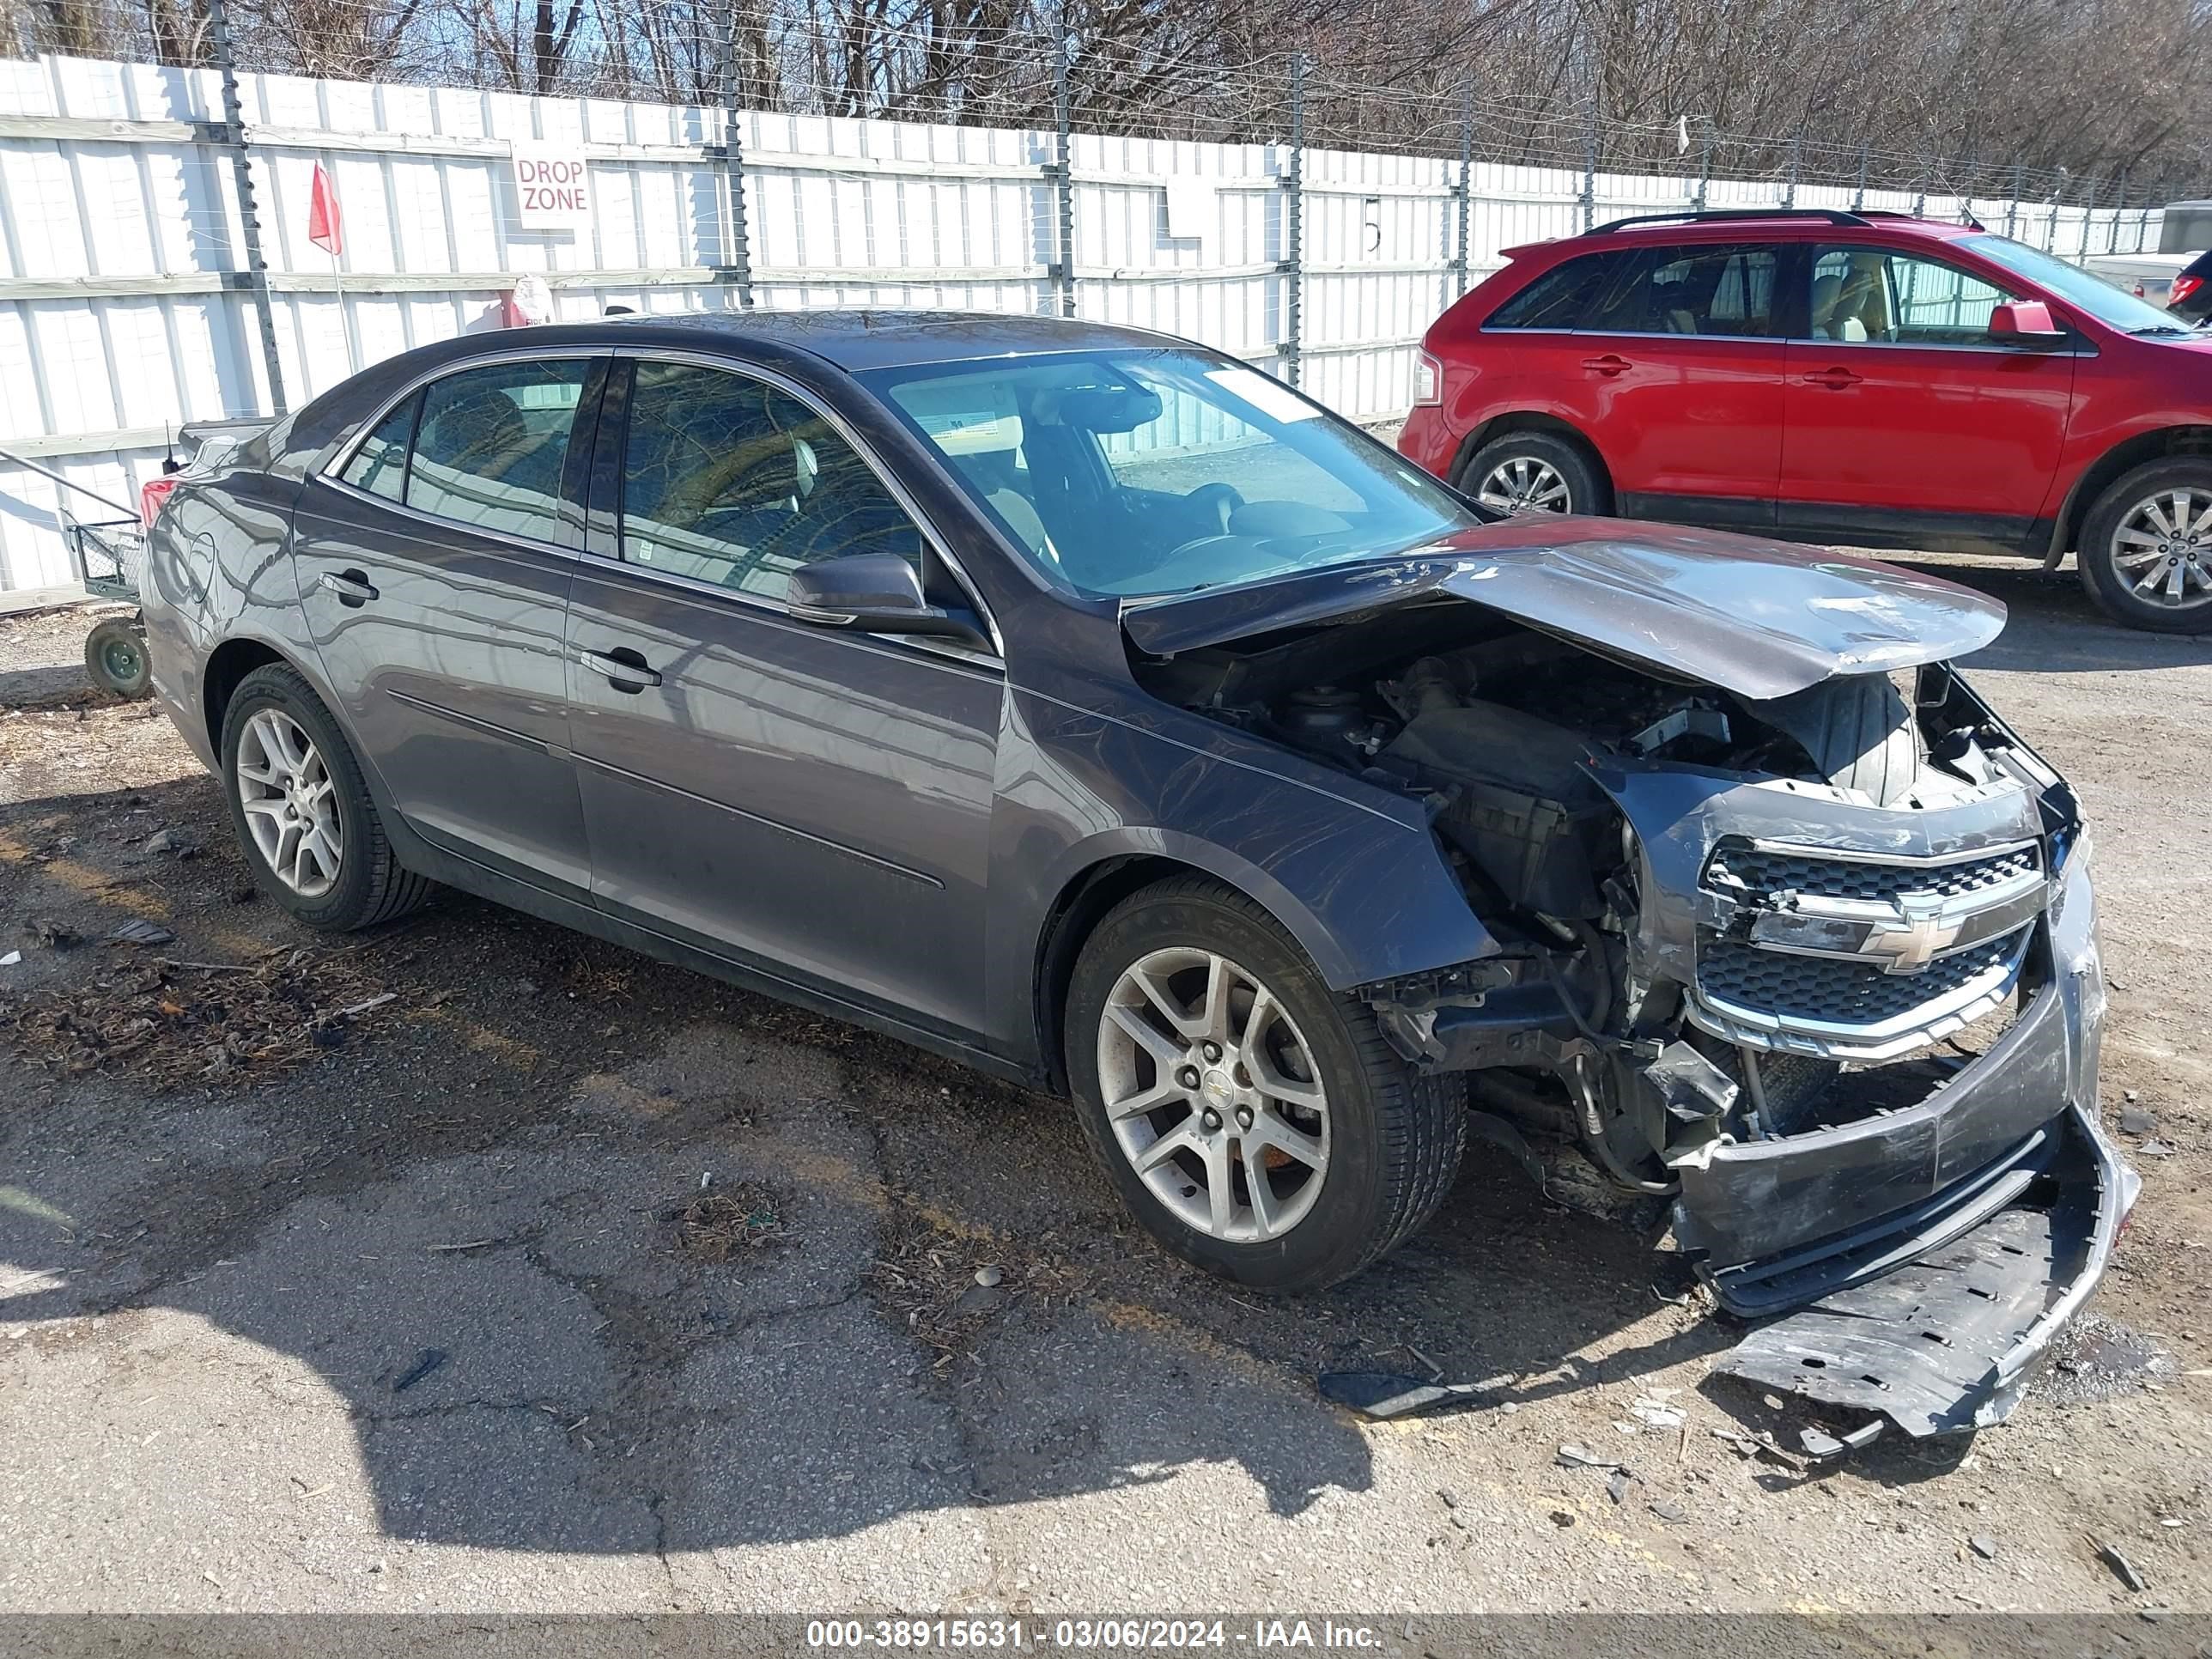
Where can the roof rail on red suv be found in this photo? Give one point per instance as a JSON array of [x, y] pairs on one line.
[[1860, 216]]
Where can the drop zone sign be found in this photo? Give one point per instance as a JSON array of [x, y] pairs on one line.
[[552, 190]]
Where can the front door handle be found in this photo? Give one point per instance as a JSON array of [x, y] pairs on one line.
[[624, 669], [1836, 379], [1607, 365], [351, 585]]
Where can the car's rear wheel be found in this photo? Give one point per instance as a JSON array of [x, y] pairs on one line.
[[1533, 472], [1254, 1120], [303, 815], [2146, 549]]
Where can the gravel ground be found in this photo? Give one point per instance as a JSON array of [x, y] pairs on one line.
[[562, 1280]]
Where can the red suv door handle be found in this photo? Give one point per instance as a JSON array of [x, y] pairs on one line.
[[1608, 364], [1836, 379]]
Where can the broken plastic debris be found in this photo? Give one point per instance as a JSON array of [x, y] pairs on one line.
[[1393, 1394], [11, 959], [139, 930], [2123, 1569]]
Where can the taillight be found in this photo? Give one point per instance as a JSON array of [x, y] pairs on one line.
[[1428, 380], [2183, 287], [151, 495]]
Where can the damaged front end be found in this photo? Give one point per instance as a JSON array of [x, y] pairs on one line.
[[1806, 985]]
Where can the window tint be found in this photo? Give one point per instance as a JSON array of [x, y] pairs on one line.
[[1560, 297], [727, 480], [379, 465], [1724, 289], [1874, 295], [491, 444]]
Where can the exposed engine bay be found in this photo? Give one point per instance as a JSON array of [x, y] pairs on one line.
[[1743, 944]]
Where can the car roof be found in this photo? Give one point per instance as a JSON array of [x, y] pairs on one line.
[[871, 337]]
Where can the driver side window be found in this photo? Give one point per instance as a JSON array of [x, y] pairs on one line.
[[1874, 295], [729, 481]]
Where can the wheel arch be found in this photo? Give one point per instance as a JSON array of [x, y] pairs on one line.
[[228, 666], [2108, 468], [1083, 901], [1526, 420]]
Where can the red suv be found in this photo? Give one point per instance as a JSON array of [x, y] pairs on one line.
[[1859, 378]]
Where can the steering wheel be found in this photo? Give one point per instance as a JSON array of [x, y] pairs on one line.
[[1222, 498]]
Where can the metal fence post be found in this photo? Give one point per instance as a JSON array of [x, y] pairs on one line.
[[2088, 218], [736, 249], [1796, 159], [1706, 164], [1466, 183], [2012, 208], [1858, 195], [2119, 212], [1063, 176], [1294, 226], [2051, 225], [1589, 166], [249, 216], [1920, 190]]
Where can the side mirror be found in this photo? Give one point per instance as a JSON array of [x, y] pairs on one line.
[[2024, 322], [875, 594]]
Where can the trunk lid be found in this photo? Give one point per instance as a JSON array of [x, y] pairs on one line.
[[1759, 619]]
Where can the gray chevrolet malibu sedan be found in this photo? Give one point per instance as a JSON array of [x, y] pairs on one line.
[[1087, 706]]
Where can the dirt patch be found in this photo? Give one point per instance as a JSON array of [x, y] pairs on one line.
[[725, 1226], [173, 1023]]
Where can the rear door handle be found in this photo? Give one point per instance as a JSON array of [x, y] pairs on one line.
[[1608, 364], [1836, 379], [624, 669], [351, 585]]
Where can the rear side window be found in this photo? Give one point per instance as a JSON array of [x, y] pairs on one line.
[[379, 465], [1722, 290], [1560, 297], [491, 445], [729, 481]]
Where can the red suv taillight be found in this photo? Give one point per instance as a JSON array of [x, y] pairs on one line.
[[1428, 381], [151, 495], [2183, 287]]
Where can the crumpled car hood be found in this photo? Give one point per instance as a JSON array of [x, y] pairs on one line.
[[1759, 619]]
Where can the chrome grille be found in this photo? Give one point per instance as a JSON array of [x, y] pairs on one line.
[[1762, 871], [1835, 992]]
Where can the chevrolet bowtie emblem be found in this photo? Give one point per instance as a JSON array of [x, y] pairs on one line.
[[1909, 945]]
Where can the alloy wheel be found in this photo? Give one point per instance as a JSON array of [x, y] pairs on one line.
[[1213, 1095], [1525, 483], [2163, 549], [290, 802]]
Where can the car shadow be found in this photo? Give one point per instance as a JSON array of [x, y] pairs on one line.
[[2053, 627], [600, 1255]]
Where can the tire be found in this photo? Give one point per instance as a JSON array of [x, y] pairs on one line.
[[1390, 1138], [1859, 732], [1532, 452], [115, 659], [369, 885], [2125, 523]]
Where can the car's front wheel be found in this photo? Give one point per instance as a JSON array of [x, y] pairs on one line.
[[1254, 1120], [302, 813], [2146, 549]]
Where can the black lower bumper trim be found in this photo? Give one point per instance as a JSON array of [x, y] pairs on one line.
[[1944, 1342]]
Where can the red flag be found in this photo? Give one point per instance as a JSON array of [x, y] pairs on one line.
[[324, 228]]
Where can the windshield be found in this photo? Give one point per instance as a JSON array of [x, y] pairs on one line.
[[2114, 307], [1142, 472]]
